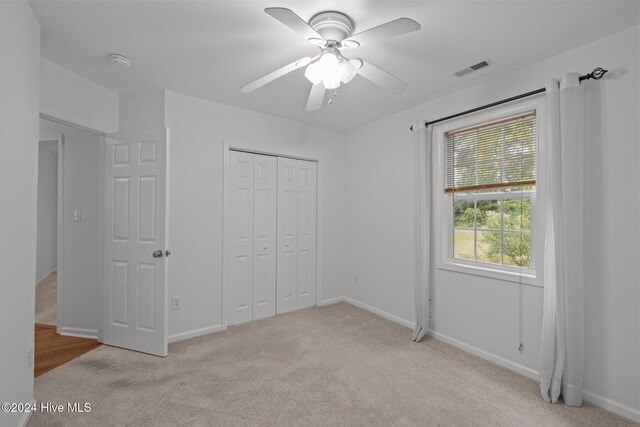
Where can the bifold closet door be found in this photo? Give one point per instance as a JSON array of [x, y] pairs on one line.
[[252, 220], [265, 179], [296, 276]]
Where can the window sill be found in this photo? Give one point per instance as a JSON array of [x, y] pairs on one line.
[[508, 276]]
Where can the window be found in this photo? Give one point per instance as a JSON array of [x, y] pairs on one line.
[[489, 176]]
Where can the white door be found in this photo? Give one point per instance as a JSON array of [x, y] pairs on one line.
[[136, 201], [306, 246], [239, 266], [265, 180], [250, 270], [296, 282]]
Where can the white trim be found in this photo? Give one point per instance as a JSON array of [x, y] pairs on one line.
[[40, 280], [24, 420], [483, 354], [332, 301], [60, 231], [612, 405], [195, 333], [78, 332], [65, 119], [102, 155], [475, 270], [396, 319], [399, 320]]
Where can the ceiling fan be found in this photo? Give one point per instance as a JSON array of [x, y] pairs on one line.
[[331, 32]]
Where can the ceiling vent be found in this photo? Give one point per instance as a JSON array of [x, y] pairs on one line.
[[472, 68]]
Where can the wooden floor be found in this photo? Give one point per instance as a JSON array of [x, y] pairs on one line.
[[53, 350]]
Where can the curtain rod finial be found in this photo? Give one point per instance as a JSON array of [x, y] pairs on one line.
[[596, 74]]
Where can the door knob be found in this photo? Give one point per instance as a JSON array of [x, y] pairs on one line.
[[264, 247], [157, 254]]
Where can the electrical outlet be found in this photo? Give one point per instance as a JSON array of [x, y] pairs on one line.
[[30, 357], [356, 280], [176, 303]]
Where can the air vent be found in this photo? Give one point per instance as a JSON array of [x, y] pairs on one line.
[[472, 68]]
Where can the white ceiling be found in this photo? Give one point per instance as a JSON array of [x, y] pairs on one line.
[[209, 49]]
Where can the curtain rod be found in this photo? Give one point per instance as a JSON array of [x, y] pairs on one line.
[[596, 74]]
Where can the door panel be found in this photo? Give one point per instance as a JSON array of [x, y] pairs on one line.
[[135, 296], [287, 226], [296, 234], [306, 255], [264, 243], [241, 220]]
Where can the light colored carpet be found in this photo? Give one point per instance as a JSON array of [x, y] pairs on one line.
[[46, 300], [329, 366]]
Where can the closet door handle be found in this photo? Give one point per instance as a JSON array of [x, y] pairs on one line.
[[157, 254], [264, 247]]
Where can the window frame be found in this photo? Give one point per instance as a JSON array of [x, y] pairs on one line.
[[443, 209]]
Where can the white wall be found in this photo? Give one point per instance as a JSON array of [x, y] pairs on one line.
[[19, 86], [141, 111], [47, 234], [198, 129], [74, 99], [482, 313], [78, 288]]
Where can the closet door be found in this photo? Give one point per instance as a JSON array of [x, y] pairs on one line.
[[287, 233], [296, 234], [240, 264], [306, 246], [264, 235]]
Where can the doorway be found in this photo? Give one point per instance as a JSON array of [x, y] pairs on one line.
[[47, 233], [67, 285]]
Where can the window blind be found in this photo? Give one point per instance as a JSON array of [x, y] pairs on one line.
[[498, 154]]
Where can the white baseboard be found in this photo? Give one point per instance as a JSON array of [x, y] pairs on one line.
[[593, 398], [483, 354], [332, 301], [399, 320], [78, 332], [40, 280], [24, 420], [611, 405], [195, 333]]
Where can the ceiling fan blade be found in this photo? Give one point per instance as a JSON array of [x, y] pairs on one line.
[[316, 97], [381, 77], [293, 21], [384, 31], [275, 75]]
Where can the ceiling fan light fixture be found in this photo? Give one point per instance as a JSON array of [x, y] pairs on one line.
[[314, 73], [330, 70], [331, 80], [347, 71]]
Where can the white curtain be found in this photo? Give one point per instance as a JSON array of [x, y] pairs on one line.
[[424, 182], [561, 361]]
